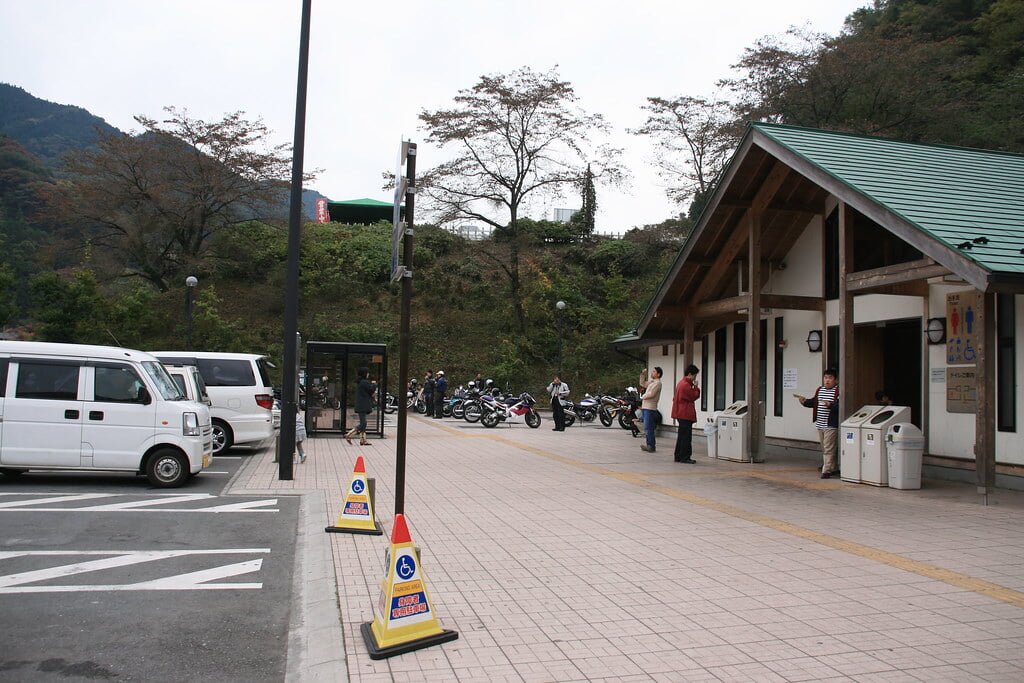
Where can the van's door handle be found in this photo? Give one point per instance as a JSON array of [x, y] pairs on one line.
[[95, 414], [70, 414]]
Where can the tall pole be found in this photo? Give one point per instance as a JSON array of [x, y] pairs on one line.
[[403, 328], [190, 284], [290, 368], [560, 307]]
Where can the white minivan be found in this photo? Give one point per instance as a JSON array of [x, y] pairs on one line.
[[77, 407], [241, 395]]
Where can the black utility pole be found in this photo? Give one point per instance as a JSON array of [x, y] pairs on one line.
[[403, 328], [290, 370]]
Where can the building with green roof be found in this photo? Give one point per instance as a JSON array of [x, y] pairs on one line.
[[906, 260]]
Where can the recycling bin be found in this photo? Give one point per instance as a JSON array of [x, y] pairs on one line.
[[732, 437], [874, 463], [904, 444], [711, 435], [850, 443]]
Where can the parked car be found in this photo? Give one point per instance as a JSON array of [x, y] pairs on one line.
[[241, 395], [190, 382], [77, 407]]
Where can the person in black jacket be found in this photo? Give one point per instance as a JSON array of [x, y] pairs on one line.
[[440, 386], [365, 390], [428, 392]]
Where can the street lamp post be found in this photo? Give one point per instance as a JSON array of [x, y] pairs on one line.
[[190, 284], [560, 307]]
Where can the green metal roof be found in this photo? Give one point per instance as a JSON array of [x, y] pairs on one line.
[[970, 199], [361, 202]]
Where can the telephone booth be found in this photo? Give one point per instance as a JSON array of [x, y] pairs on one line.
[[331, 374]]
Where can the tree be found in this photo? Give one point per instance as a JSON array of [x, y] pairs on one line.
[[694, 138], [152, 202], [517, 139], [582, 222]]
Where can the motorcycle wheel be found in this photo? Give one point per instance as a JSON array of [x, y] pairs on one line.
[[489, 419], [570, 419], [532, 420], [335, 403], [606, 418], [390, 408], [472, 413], [459, 410], [625, 420], [446, 410], [421, 407]]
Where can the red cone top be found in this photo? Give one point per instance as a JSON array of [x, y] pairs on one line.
[[400, 534], [360, 467]]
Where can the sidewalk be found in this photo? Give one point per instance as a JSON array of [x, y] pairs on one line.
[[576, 557]]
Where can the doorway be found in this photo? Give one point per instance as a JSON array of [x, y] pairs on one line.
[[888, 358]]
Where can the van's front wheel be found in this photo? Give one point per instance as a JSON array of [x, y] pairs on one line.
[[167, 468], [223, 439]]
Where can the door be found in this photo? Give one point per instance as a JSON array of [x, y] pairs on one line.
[[120, 419], [43, 416]]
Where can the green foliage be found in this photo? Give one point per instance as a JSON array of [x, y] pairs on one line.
[[69, 309], [8, 305]]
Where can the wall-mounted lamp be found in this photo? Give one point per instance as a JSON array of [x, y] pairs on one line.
[[782, 343], [936, 330], [814, 341]]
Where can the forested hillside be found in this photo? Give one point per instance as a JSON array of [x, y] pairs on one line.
[[88, 260]]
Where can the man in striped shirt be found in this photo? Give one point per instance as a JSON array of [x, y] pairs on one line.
[[825, 404]]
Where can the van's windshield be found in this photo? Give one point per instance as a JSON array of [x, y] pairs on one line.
[[162, 381]]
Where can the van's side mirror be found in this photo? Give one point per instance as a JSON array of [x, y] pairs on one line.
[[144, 398]]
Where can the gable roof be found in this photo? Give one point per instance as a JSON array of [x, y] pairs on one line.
[[938, 199]]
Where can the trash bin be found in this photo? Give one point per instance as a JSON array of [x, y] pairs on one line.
[[850, 443], [732, 437], [711, 435], [905, 448]]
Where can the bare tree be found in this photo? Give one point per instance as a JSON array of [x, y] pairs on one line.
[[152, 202], [516, 139]]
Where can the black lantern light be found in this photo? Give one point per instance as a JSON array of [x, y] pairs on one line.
[[936, 330], [814, 341]]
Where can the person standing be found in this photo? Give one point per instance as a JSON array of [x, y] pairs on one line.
[[684, 412], [558, 389], [428, 392], [364, 404], [440, 386], [825, 415], [300, 434], [649, 406]]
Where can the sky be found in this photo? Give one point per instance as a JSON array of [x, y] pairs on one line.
[[374, 66]]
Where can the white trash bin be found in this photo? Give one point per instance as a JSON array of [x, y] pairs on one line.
[[905, 450], [711, 435]]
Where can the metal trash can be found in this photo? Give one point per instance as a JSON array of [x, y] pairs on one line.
[[905, 450], [732, 437], [711, 435]]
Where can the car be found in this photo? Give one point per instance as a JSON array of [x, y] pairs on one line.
[[190, 382], [241, 395], [82, 407]]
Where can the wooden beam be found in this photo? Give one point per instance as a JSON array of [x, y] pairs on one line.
[[922, 269], [736, 241], [755, 423], [847, 382], [793, 303], [715, 308], [984, 421]]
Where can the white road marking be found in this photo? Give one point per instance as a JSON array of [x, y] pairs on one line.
[[176, 498], [56, 499], [145, 505], [197, 580], [248, 506]]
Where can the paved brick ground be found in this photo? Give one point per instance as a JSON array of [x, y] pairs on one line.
[[576, 557]]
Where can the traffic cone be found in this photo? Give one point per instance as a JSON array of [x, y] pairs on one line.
[[357, 511], [403, 620]]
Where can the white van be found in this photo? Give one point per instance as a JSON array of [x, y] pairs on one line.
[[190, 382], [241, 395], [76, 407]]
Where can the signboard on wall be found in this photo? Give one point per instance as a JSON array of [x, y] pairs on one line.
[[962, 323], [790, 378], [961, 390]]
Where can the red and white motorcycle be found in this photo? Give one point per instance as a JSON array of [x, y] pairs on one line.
[[521, 411]]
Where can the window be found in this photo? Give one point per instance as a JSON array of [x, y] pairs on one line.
[[47, 380], [1006, 366], [777, 388], [832, 347], [704, 367], [720, 369], [739, 361], [3, 377], [222, 372], [831, 255], [117, 384], [763, 355]]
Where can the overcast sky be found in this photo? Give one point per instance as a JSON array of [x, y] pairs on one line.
[[374, 66]]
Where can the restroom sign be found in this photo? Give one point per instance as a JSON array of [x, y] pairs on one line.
[[962, 323]]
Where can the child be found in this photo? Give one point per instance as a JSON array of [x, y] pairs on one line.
[[300, 435]]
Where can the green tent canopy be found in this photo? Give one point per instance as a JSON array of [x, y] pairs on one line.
[[361, 211]]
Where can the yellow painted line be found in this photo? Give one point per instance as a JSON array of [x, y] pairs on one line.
[[986, 588]]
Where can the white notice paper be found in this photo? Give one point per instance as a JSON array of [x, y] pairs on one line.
[[790, 378]]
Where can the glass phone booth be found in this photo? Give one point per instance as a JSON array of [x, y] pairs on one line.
[[330, 389]]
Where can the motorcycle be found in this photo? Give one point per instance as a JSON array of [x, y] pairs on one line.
[[627, 417], [522, 411], [586, 410], [612, 407], [390, 402], [319, 397]]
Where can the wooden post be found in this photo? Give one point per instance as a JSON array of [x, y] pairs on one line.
[[755, 423], [985, 423], [847, 381]]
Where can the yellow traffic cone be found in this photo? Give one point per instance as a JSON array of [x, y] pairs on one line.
[[357, 511]]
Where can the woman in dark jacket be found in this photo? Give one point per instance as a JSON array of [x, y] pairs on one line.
[[364, 404]]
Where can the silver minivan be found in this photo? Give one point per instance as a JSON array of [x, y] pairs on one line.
[[78, 407]]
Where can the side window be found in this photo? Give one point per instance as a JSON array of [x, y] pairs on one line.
[[47, 381], [220, 372], [180, 381], [117, 384], [3, 376]]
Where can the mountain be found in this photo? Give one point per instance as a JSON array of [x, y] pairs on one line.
[[46, 129]]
